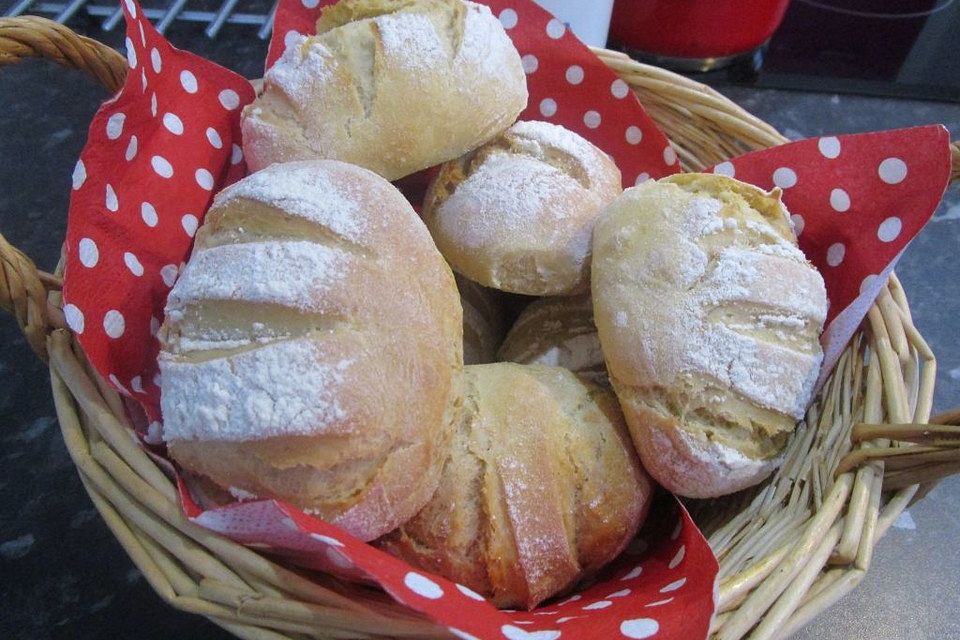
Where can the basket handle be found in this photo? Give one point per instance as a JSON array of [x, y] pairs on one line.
[[23, 287]]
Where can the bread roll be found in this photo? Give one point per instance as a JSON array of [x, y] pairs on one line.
[[709, 316], [311, 350], [517, 213], [560, 332], [482, 322], [392, 85], [542, 487]]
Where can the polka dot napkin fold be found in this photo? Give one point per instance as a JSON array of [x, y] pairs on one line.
[[661, 586], [156, 154], [856, 201], [160, 149]]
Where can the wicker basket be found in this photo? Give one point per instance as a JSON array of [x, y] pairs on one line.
[[787, 550]]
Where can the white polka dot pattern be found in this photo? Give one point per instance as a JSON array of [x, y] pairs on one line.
[[678, 558], [511, 632], [114, 323], [110, 199], [892, 170], [229, 99], [889, 230], [214, 138], [725, 169], [839, 200], [79, 175], [326, 539], [669, 155], [204, 178], [162, 166], [556, 29], [188, 81], [633, 573], [131, 151], [638, 628], [131, 54], [173, 123], [133, 264], [548, 107], [422, 585], [115, 125], [470, 593], [619, 89], [74, 318], [148, 214], [829, 147], [189, 223], [169, 274], [835, 254], [673, 586], [530, 63], [867, 284], [89, 253], [574, 74], [785, 177]]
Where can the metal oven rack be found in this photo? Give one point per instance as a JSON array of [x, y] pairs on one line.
[[213, 17]]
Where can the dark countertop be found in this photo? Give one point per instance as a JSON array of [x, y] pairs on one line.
[[62, 575]]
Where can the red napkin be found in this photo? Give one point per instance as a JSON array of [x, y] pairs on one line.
[[662, 586], [156, 154], [856, 202], [158, 151]]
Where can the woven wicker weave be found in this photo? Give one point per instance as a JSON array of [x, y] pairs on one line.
[[788, 549]]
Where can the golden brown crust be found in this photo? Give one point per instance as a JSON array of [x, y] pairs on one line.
[[394, 86], [376, 343], [558, 332], [517, 214], [709, 318], [542, 488]]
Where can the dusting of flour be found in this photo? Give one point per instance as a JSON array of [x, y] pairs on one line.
[[281, 389]]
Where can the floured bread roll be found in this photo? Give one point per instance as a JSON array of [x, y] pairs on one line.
[[709, 316], [392, 85], [311, 350], [560, 332], [542, 487], [517, 213], [482, 322]]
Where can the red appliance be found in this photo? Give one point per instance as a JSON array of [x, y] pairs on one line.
[[704, 32]]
